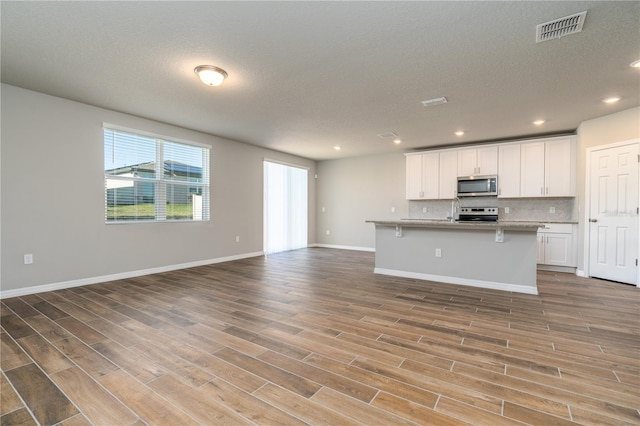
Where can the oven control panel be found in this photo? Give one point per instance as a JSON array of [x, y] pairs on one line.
[[481, 214], [479, 210]]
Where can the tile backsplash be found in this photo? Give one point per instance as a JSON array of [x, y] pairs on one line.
[[535, 209]]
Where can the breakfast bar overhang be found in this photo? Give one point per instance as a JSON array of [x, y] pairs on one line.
[[495, 255]]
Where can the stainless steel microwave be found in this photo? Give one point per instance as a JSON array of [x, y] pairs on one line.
[[477, 186]]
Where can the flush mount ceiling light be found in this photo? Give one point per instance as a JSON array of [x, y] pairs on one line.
[[397, 141], [337, 147], [635, 64], [611, 100], [539, 122], [459, 133], [210, 75]]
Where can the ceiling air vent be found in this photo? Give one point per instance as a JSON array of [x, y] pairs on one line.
[[387, 135], [434, 101], [560, 27]]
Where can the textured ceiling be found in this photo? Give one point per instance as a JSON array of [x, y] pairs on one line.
[[306, 76]]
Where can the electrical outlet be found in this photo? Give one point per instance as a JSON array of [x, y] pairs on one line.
[[438, 252], [237, 238], [324, 210], [499, 235], [393, 209], [425, 210], [552, 209], [328, 232], [506, 210], [28, 259]]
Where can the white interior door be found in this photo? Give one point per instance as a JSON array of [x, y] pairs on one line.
[[613, 213]]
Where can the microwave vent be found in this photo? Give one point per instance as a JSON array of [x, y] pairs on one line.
[[560, 27]]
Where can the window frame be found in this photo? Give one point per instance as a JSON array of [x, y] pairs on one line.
[[160, 182]]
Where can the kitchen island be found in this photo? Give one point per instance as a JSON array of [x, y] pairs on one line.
[[496, 255]]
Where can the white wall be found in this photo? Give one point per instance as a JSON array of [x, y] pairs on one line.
[[618, 127], [53, 197], [353, 190]]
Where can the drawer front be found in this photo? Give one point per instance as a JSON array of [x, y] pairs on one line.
[[557, 228]]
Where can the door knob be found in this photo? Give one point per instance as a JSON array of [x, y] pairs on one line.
[[593, 220]]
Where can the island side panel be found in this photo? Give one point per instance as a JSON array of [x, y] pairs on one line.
[[469, 256]]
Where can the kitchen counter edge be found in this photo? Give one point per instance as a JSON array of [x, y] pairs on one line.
[[426, 223]]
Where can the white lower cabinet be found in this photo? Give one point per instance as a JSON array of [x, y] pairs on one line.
[[557, 245]]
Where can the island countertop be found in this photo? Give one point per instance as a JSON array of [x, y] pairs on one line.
[[446, 223]]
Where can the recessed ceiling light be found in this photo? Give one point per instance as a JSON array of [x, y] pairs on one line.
[[611, 100], [635, 64], [459, 133], [337, 147], [210, 75], [397, 141], [539, 122]]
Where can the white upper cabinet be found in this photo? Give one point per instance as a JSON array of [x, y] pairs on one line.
[[532, 169], [478, 161], [422, 176], [536, 168], [509, 171], [448, 174], [547, 169], [414, 176], [431, 175], [559, 166]]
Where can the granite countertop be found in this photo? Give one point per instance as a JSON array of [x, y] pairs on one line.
[[446, 223], [571, 222]]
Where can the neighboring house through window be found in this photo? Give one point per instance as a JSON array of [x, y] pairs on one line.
[[148, 178]]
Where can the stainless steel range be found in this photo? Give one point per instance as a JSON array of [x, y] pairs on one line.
[[478, 214]]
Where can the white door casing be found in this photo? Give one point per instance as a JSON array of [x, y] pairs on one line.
[[613, 212]]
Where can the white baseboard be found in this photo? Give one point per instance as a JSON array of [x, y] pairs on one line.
[[333, 246], [553, 268], [459, 281], [123, 275]]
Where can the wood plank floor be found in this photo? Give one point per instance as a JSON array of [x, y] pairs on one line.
[[314, 337]]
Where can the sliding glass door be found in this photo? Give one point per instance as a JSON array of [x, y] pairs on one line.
[[285, 207]]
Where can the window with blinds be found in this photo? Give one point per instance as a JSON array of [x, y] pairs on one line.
[[153, 179]]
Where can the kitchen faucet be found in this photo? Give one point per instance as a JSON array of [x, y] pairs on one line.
[[455, 206]]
